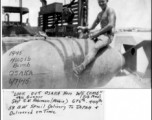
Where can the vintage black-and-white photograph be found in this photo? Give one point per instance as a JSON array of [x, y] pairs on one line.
[[76, 44]]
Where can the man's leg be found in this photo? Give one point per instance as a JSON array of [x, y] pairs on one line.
[[102, 42]]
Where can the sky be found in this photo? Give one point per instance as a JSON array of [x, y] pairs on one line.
[[130, 13]]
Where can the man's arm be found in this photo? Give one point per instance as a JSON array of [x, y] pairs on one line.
[[110, 25], [95, 23]]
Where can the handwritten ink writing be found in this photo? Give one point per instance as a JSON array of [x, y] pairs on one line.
[[67, 93], [11, 108], [76, 101], [22, 59], [21, 73], [95, 101], [52, 93], [53, 102], [18, 81], [36, 93], [12, 53], [18, 93], [20, 112], [37, 106], [71, 106], [22, 107], [16, 65], [81, 93], [26, 100], [31, 96], [49, 111], [41, 101], [83, 107], [15, 101], [56, 106]]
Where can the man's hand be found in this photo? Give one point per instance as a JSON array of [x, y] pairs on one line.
[[92, 36], [84, 29]]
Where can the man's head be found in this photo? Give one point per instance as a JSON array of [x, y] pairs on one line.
[[103, 3]]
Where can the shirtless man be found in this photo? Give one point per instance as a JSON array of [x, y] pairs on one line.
[[104, 36]]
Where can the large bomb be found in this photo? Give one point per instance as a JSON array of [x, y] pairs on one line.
[[49, 64]]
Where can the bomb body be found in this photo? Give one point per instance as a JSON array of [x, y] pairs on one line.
[[52, 61]]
